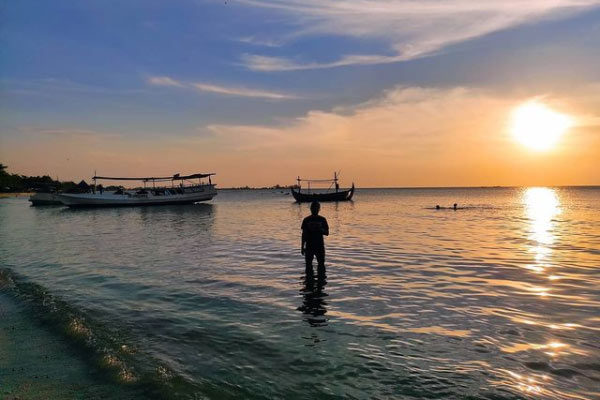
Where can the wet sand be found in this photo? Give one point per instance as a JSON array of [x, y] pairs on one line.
[[36, 363]]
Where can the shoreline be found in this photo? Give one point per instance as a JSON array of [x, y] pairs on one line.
[[37, 363]]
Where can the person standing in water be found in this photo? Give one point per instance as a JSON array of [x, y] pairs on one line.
[[314, 227]]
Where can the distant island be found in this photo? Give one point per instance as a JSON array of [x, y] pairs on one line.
[[275, 187]]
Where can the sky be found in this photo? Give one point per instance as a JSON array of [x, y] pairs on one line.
[[389, 92]]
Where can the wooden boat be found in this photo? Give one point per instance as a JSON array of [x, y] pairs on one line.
[[166, 195], [329, 195], [44, 199]]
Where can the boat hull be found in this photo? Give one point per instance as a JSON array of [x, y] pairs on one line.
[[45, 199], [344, 195], [190, 196]]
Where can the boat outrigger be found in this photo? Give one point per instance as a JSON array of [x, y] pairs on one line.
[[310, 195], [177, 193]]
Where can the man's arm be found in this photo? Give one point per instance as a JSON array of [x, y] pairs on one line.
[[325, 227], [303, 246]]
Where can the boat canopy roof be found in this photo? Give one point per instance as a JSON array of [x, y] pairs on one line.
[[316, 180], [335, 179], [155, 178]]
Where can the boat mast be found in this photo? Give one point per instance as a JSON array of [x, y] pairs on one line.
[[335, 180]]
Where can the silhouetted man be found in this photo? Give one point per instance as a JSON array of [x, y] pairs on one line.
[[313, 228]]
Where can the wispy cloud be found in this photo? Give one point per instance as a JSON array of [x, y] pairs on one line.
[[265, 63], [164, 81], [66, 133], [412, 29], [255, 41], [218, 89], [242, 92], [48, 86]]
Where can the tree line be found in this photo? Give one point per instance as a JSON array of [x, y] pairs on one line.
[[15, 183], [12, 183]]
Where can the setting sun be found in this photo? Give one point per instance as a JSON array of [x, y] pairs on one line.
[[537, 126]]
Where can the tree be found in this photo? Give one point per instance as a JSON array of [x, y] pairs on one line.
[[16, 182], [5, 179]]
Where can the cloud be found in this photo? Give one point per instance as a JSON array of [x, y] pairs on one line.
[[264, 63], [164, 81], [255, 41], [390, 125], [242, 92], [50, 86], [412, 29], [37, 133], [218, 89]]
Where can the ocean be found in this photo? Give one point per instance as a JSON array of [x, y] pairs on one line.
[[499, 299]]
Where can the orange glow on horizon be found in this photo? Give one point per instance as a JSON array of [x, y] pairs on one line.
[[407, 137]]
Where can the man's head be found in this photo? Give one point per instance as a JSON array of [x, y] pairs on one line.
[[315, 207]]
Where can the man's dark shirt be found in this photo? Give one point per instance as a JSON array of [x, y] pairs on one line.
[[313, 227]]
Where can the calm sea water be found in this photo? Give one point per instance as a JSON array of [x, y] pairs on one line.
[[497, 300]]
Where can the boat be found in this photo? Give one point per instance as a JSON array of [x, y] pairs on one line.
[[328, 195], [177, 193], [44, 199]]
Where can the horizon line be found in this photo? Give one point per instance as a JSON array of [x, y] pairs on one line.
[[426, 187]]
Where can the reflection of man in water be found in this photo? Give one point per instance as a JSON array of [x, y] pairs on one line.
[[313, 229], [314, 306]]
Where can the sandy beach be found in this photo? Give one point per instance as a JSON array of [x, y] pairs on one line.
[[37, 363]]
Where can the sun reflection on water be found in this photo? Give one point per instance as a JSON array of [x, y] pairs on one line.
[[541, 205], [527, 384]]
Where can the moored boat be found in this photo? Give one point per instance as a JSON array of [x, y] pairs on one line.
[[44, 199], [180, 193], [330, 194]]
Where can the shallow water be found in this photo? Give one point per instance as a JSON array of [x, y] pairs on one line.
[[499, 299]]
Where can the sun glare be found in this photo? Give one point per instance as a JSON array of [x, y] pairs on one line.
[[537, 126]]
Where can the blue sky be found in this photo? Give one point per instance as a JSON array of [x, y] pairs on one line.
[[147, 69]]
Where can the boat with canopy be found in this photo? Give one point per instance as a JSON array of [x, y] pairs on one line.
[[44, 199], [332, 193], [183, 189]]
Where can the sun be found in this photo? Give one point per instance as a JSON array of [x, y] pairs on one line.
[[537, 126]]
